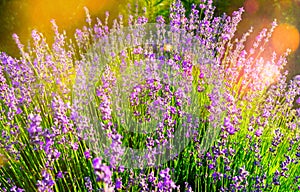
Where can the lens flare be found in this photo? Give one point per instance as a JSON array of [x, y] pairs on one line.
[[263, 73], [68, 15], [285, 36], [269, 74]]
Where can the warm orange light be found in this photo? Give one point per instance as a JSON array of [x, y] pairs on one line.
[[68, 15], [285, 37], [65, 12], [251, 6], [95, 5]]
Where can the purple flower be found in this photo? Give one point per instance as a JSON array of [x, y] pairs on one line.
[[97, 162], [258, 132], [215, 175], [138, 50], [298, 101], [142, 20], [121, 169], [118, 184], [87, 154], [102, 171], [211, 166], [47, 183], [215, 34], [88, 184], [202, 6], [74, 146], [151, 177], [297, 78], [188, 187], [227, 168], [160, 20], [164, 173], [166, 184], [201, 75], [16, 189], [226, 122], [35, 121], [230, 129], [59, 175]]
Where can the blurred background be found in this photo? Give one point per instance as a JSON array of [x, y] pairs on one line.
[[22, 16]]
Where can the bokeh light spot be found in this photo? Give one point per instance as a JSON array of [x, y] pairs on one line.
[[270, 74], [285, 36]]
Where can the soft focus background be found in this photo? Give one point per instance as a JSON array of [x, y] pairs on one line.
[[22, 16]]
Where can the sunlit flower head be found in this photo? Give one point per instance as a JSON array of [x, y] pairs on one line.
[[269, 73], [167, 47]]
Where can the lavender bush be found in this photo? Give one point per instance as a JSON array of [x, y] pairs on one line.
[[149, 107]]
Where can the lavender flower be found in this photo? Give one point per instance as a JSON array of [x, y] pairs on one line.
[[47, 183], [44, 124], [88, 184], [102, 171]]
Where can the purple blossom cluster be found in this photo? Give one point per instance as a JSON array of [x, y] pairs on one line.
[[162, 115], [46, 183]]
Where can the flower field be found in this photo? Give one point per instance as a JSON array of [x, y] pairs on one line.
[[175, 105]]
